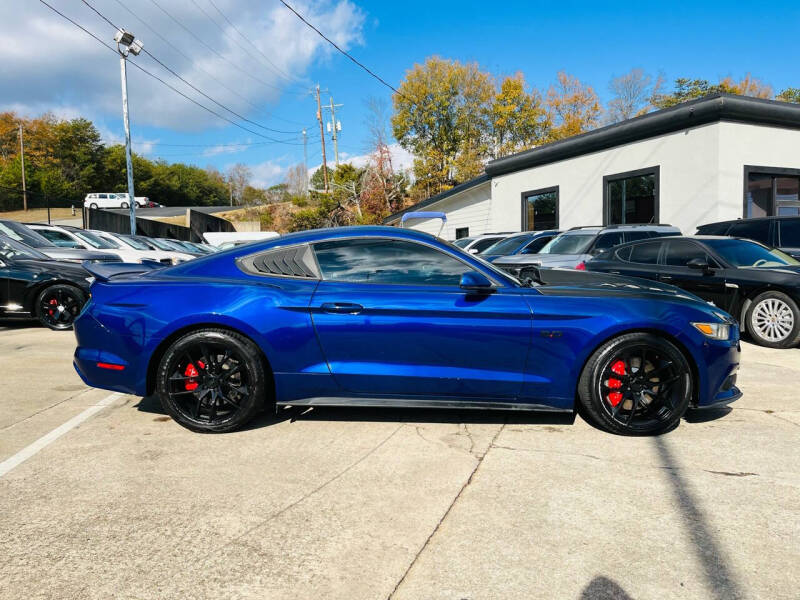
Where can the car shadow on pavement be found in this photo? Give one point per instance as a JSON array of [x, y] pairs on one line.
[[151, 404], [720, 581], [704, 415], [603, 588]]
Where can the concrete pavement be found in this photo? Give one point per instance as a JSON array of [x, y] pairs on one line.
[[345, 503]]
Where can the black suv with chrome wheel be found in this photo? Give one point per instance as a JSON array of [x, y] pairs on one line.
[[33, 286]]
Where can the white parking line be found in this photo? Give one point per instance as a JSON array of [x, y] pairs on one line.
[[47, 439]]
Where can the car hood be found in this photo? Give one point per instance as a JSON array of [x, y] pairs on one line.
[[77, 254], [570, 282], [57, 268]]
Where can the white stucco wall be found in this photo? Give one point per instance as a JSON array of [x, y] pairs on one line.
[[755, 145], [701, 179], [470, 208], [688, 162]]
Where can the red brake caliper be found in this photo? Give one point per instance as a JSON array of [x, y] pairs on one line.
[[53, 302], [192, 373], [614, 398]]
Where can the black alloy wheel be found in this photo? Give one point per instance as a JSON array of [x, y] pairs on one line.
[[58, 305], [211, 380], [636, 384]]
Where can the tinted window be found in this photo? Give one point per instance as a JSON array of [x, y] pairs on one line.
[[752, 230], [541, 210], [507, 246], [569, 243], [387, 262], [608, 240], [742, 253], [790, 233], [482, 245], [646, 253], [12, 249], [536, 245], [713, 229], [635, 236], [680, 252], [632, 199], [59, 238], [461, 242]]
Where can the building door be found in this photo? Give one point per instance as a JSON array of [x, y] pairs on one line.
[[540, 209]]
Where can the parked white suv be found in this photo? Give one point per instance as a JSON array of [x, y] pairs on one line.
[[109, 200]]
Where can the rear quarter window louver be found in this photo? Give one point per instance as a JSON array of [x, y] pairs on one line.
[[296, 261]]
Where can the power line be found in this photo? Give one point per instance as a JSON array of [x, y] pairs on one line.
[[236, 29], [174, 89], [188, 83], [201, 41], [332, 43], [271, 66], [198, 67]]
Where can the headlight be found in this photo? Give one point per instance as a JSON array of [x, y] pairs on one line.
[[89, 280], [716, 331]]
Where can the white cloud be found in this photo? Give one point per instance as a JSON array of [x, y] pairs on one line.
[[402, 159], [49, 63], [267, 173]]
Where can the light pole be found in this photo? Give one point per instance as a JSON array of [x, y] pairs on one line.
[[127, 44]]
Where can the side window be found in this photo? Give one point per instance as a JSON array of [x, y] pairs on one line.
[[646, 253], [790, 233], [713, 229], [635, 236], [680, 252], [607, 240], [752, 230], [103, 196], [387, 262], [536, 245], [59, 238], [624, 254]]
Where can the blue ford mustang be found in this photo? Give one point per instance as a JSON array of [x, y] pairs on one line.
[[378, 316]]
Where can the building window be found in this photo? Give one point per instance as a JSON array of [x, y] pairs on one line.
[[462, 232], [771, 192], [540, 209], [631, 197]]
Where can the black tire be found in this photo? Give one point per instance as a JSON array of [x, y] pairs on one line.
[[58, 305], [773, 320], [212, 380], [124, 205], [93, 206], [629, 400]]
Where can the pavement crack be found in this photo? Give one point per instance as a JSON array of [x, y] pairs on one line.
[[478, 463], [305, 496], [46, 408], [732, 473]]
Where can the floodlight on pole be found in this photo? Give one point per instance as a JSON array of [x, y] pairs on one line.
[[127, 44]]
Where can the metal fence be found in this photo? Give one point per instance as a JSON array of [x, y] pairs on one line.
[[200, 223]]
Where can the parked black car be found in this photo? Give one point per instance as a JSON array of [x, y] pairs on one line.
[[756, 284], [776, 232], [32, 285]]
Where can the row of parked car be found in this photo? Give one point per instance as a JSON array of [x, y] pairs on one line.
[[747, 267], [40, 266]]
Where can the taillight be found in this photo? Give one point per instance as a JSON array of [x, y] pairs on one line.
[[581, 266]]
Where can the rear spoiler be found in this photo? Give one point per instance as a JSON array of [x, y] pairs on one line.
[[103, 271]]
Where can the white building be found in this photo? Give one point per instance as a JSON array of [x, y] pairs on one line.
[[720, 157]]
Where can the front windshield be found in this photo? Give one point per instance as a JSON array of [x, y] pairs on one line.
[[134, 243], [94, 240], [569, 243], [506, 246], [744, 253], [18, 231], [463, 242], [11, 249], [160, 244]]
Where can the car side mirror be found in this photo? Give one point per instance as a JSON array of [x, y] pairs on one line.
[[700, 264], [474, 281]]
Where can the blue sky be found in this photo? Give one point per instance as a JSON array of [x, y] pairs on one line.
[[593, 41]]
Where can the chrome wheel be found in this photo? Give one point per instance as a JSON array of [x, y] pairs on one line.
[[772, 320]]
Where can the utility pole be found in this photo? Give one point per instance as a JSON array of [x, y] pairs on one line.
[[22, 157], [335, 127], [127, 44], [322, 136], [305, 161], [230, 189]]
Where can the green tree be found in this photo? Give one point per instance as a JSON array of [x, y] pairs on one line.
[[789, 95], [519, 119], [441, 115], [573, 107]]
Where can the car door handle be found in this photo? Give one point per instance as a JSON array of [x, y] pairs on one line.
[[665, 277], [342, 308]]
